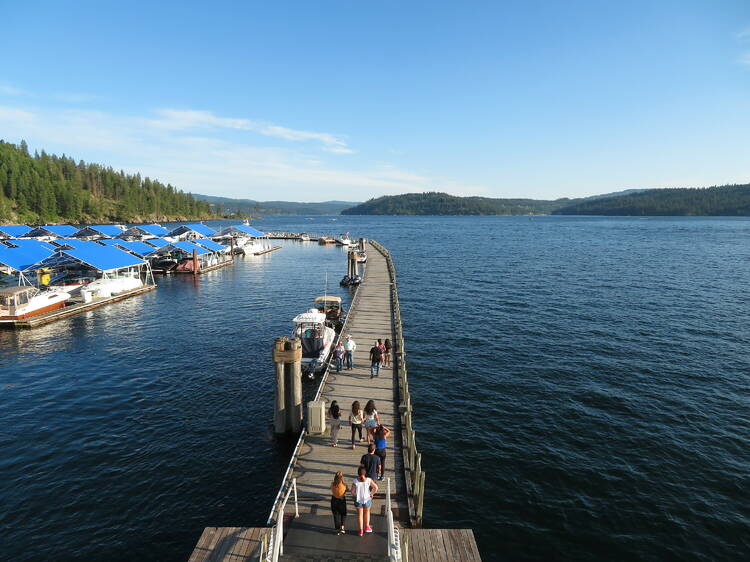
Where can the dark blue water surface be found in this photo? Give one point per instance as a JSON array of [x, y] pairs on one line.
[[581, 390]]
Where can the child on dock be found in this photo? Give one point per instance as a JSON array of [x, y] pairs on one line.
[[362, 490], [338, 502], [356, 418]]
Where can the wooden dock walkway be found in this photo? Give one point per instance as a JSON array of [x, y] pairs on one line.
[[311, 535]]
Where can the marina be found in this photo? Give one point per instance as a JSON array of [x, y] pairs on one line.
[[53, 272]]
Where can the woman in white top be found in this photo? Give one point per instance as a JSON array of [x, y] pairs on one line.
[[356, 418], [362, 490]]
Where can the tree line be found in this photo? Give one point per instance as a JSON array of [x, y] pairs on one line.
[[435, 203], [44, 188], [727, 200]]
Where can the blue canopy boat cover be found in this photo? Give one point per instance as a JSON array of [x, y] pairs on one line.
[[198, 228], [146, 230], [110, 230], [102, 258], [184, 246], [30, 243], [21, 259], [54, 230], [157, 242], [241, 228], [209, 244], [136, 247], [73, 243], [14, 230]]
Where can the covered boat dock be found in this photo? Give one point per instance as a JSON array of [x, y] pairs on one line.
[[112, 264]]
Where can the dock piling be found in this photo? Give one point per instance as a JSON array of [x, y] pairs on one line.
[[287, 355]]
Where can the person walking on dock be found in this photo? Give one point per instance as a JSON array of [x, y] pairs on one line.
[[334, 413], [338, 502], [338, 355], [371, 462], [349, 347], [372, 419], [380, 435], [376, 356], [362, 490], [356, 418], [387, 356]]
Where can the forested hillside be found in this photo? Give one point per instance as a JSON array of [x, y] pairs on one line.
[[433, 203], [43, 188], [728, 200]]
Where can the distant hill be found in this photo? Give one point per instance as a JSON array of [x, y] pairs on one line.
[[253, 207], [728, 200], [45, 188], [434, 203]]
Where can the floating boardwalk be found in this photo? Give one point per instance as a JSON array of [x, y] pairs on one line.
[[301, 510], [60, 313]]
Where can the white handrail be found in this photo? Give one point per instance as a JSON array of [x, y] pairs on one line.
[[394, 542], [277, 534]]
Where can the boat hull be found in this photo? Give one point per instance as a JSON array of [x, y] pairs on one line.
[[25, 315]]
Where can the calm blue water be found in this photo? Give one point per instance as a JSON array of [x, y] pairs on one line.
[[581, 390]]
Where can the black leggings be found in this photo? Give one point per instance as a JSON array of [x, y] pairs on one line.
[[381, 454], [338, 507], [356, 427]]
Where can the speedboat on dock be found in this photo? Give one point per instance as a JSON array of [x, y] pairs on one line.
[[317, 340]]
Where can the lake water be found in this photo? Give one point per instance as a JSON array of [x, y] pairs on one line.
[[581, 390]]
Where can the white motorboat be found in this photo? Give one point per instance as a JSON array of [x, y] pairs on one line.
[[344, 240], [317, 339], [304, 237], [21, 302], [106, 287], [361, 257]]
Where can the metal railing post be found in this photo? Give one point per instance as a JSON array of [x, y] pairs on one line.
[[296, 506]]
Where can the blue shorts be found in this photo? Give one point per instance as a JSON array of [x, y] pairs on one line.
[[367, 504], [371, 423]]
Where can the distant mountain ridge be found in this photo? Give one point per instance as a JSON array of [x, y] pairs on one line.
[[251, 206], [721, 201]]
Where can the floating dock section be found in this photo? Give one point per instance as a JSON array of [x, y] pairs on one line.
[[300, 526]]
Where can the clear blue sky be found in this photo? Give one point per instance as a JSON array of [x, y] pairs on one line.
[[348, 100]]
